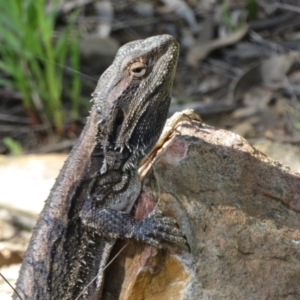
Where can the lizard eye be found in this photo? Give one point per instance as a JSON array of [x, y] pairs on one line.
[[138, 69]]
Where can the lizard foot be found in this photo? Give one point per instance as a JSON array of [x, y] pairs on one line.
[[156, 228]]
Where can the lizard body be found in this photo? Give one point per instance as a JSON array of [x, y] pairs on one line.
[[88, 207]]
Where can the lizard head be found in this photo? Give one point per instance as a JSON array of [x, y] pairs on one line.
[[133, 95]]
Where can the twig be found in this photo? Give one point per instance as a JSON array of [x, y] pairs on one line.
[[103, 271], [11, 286]]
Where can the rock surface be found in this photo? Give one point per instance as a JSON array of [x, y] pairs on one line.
[[240, 212]]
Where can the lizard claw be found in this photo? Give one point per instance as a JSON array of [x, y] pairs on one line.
[[155, 229]]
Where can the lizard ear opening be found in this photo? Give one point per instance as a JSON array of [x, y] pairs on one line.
[[116, 125], [120, 117]]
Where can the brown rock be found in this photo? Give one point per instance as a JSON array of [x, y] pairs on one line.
[[240, 212]]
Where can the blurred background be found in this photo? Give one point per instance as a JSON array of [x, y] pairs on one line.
[[239, 68]]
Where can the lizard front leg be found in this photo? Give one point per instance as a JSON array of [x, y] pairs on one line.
[[153, 229]]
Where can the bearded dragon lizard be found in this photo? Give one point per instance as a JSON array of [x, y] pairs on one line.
[[89, 206]]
